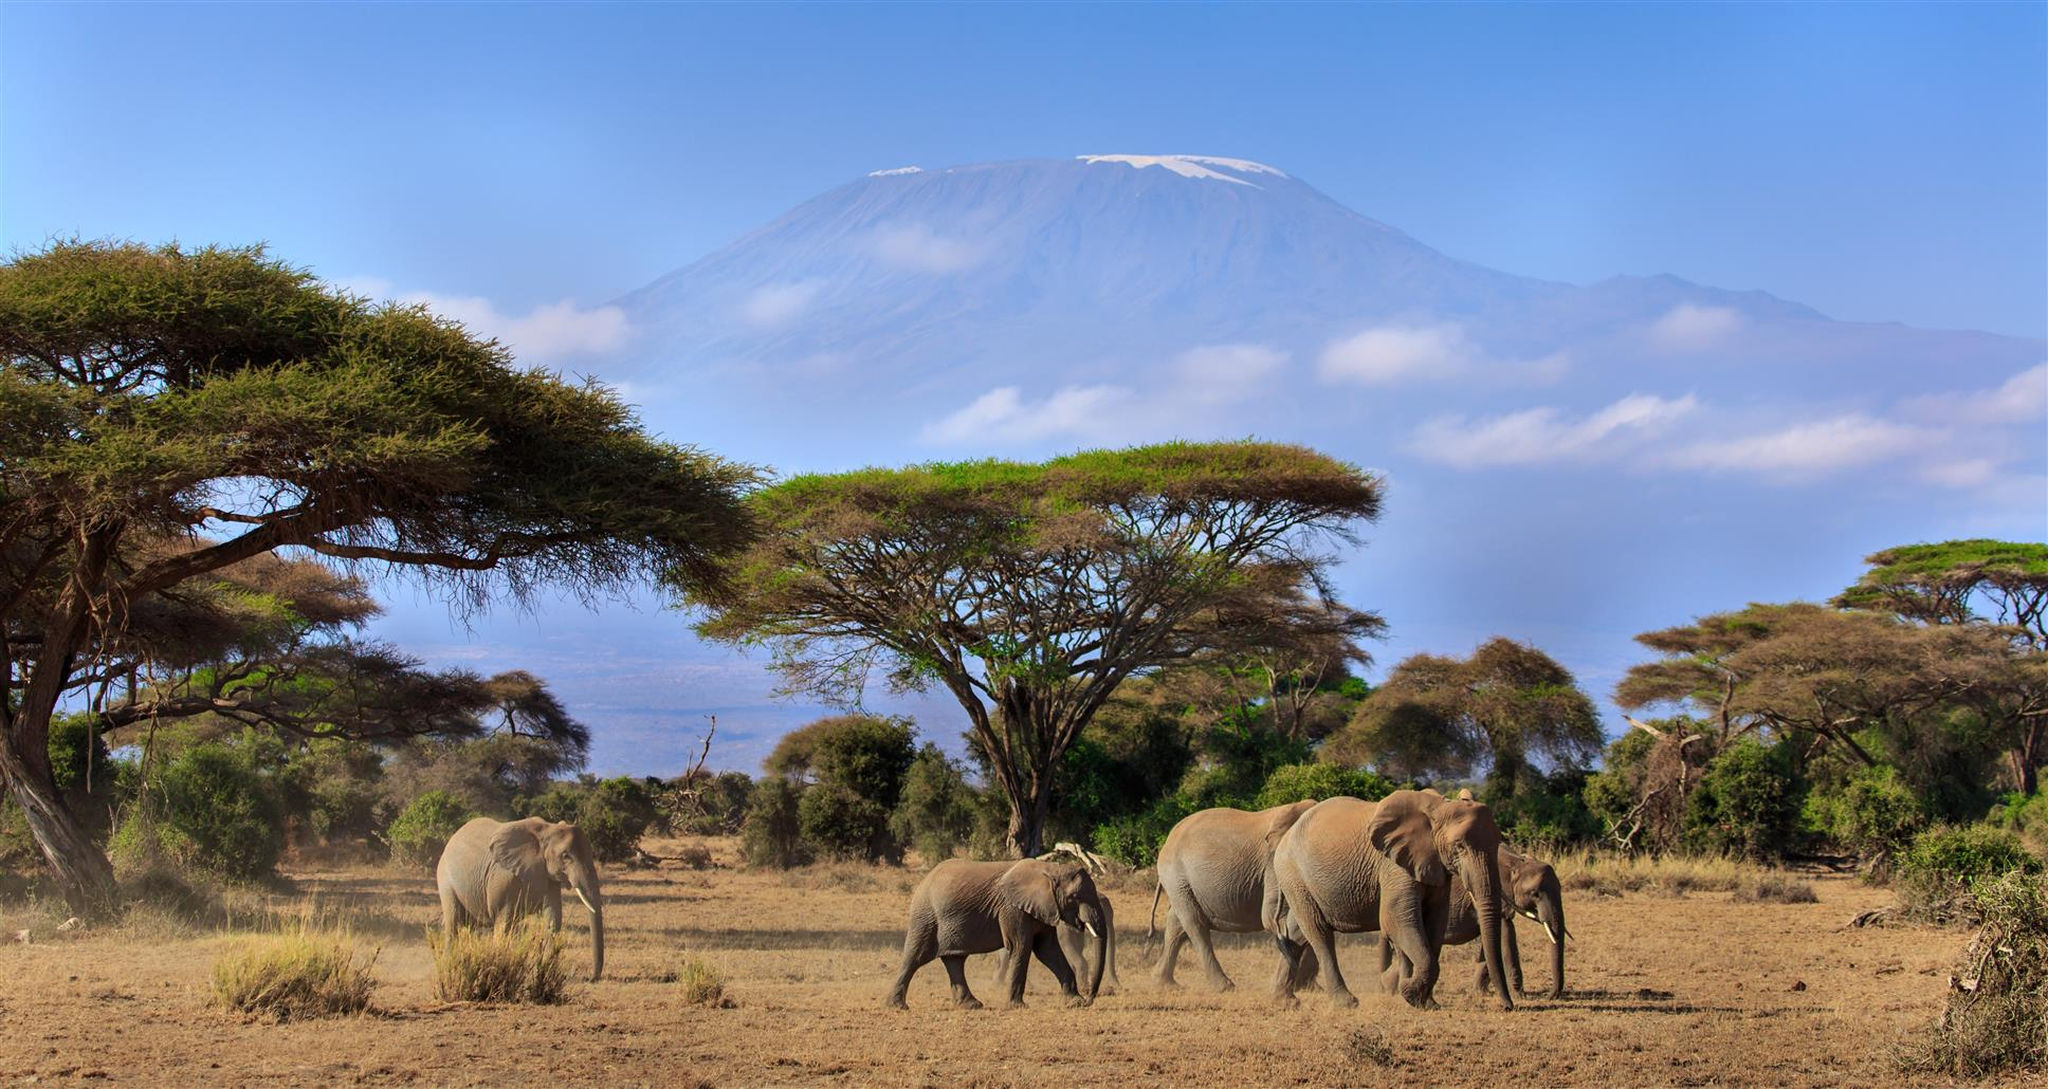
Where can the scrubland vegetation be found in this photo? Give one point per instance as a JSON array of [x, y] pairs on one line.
[[191, 718]]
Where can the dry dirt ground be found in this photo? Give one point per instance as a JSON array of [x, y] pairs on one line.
[[1664, 990]]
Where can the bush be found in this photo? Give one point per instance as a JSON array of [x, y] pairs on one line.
[[211, 810], [838, 824], [1774, 889], [1135, 841], [721, 806], [1747, 802], [295, 976], [1935, 874], [1873, 813], [517, 963], [614, 814], [2028, 816], [1996, 1019], [1315, 782], [771, 836], [420, 831], [936, 812], [700, 984]]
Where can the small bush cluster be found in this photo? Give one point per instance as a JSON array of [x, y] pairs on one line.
[[296, 975], [517, 963], [1774, 889], [422, 828], [698, 983], [1996, 1020], [613, 813], [1934, 876]]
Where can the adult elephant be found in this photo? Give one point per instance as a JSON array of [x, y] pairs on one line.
[[1348, 866], [1213, 869], [494, 871], [962, 908], [1532, 891]]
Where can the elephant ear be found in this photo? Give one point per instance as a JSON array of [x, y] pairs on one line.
[[1035, 888], [1402, 830], [516, 848]]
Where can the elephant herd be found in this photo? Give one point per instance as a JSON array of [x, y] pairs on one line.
[[1423, 870]]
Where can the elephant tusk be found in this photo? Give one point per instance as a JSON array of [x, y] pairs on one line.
[[1090, 928], [587, 905], [1552, 931], [1529, 915]]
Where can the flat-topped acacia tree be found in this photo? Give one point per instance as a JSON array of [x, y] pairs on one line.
[[1030, 592], [221, 398]]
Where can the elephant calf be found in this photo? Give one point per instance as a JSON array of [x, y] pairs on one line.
[[1531, 889], [1074, 943], [962, 908]]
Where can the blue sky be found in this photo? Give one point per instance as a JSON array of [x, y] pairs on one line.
[[527, 163]]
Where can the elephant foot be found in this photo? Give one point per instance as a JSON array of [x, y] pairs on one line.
[[1420, 1000], [968, 1003], [1079, 1002], [1286, 1000], [1344, 1000], [1223, 983], [895, 1002], [1014, 1004]]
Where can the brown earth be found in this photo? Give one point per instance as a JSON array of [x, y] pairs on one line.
[[1693, 989]]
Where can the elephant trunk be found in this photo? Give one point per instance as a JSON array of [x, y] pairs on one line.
[[1482, 877], [1097, 925], [1550, 912], [593, 900]]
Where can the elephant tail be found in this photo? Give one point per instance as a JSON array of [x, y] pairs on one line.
[[1152, 916]]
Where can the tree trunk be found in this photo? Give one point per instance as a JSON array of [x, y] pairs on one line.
[[81, 866], [1028, 817]]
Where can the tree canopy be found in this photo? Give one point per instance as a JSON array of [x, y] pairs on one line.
[[1956, 582], [1030, 591], [173, 413]]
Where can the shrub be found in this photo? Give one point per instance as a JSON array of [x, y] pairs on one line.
[[838, 824], [517, 963], [2026, 815], [1546, 814], [936, 812], [771, 836], [293, 976], [615, 813], [1996, 1019], [1746, 804], [1776, 890], [419, 831], [1315, 782], [720, 808], [700, 984], [1934, 875], [1873, 813], [1135, 841], [212, 810]]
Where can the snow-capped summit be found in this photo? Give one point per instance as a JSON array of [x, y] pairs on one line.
[[1190, 166], [895, 172]]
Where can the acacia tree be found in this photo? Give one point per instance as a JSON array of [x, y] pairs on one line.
[[223, 399], [1960, 582], [1029, 592], [1441, 716]]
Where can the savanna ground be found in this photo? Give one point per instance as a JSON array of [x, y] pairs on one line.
[[1667, 987]]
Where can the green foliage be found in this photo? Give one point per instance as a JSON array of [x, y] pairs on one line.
[[1747, 804], [1872, 812], [838, 824], [772, 835], [1547, 814], [1314, 782], [1934, 876], [867, 757], [613, 813], [1996, 1020], [422, 828], [209, 808], [1135, 840], [2026, 815], [936, 813]]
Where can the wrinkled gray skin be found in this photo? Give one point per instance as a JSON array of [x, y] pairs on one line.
[[962, 908], [1212, 869], [1533, 892], [1348, 866], [1074, 943], [492, 872]]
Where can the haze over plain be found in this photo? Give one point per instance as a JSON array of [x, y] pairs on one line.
[[1608, 294]]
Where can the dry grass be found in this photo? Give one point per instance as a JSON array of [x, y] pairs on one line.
[[1605, 874], [1665, 990], [304, 973], [701, 984], [1775, 889], [517, 963], [1997, 1014]]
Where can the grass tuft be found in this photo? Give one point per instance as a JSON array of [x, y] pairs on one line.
[[1367, 1046], [1996, 1019], [701, 984], [1774, 889], [521, 962], [295, 975]]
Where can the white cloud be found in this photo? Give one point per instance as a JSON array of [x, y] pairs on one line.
[[551, 329], [916, 247], [1968, 473], [2022, 399], [1690, 328], [1540, 435], [771, 305], [1392, 354], [1002, 415], [1809, 449], [1218, 373]]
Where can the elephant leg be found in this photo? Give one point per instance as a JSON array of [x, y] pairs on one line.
[[1387, 969], [554, 909], [1483, 982], [1322, 940], [1404, 922], [1198, 936], [1047, 949], [1074, 945], [1017, 959], [1174, 938], [920, 945], [1287, 979], [1510, 952], [956, 971], [451, 913]]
